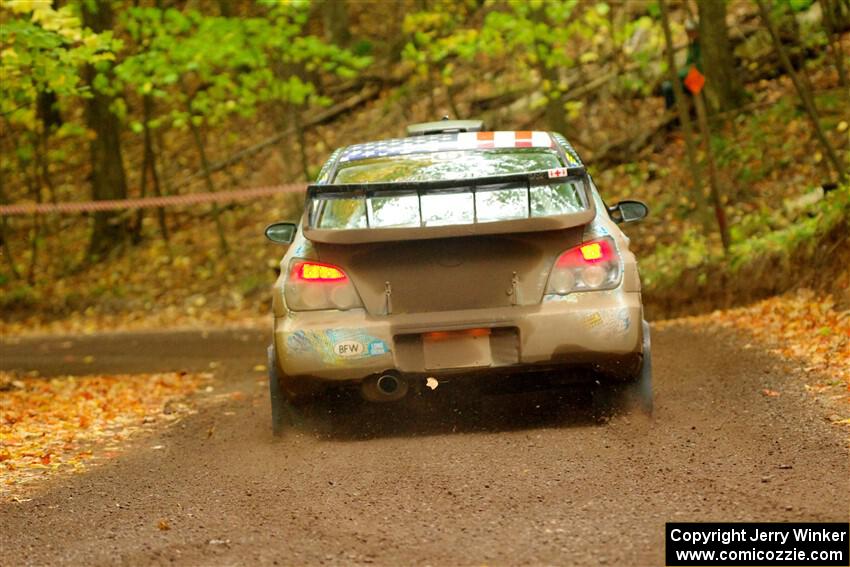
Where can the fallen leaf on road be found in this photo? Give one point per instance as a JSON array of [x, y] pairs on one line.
[[163, 525], [54, 425], [770, 393], [803, 327]]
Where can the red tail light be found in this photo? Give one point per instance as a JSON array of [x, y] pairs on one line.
[[317, 272], [594, 252], [314, 285], [593, 265]]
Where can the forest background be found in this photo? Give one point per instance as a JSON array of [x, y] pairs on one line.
[[107, 99]]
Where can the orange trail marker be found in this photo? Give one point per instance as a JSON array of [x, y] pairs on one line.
[[694, 80]]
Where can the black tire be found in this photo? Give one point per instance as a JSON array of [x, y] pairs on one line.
[[634, 394], [283, 412], [637, 394]]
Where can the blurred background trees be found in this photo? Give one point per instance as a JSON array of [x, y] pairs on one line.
[[106, 99]]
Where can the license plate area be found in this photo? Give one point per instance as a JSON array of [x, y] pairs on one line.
[[457, 349]]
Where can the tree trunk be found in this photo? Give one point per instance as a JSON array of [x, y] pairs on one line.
[[829, 8], [335, 20], [4, 241], [713, 182], [302, 143], [723, 82], [684, 118], [225, 8], [47, 110], [149, 168], [205, 165], [839, 13], [805, 95], [108, 180], [555, 116], [35, 191]]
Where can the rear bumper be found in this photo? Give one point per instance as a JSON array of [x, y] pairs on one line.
[[579, 329]]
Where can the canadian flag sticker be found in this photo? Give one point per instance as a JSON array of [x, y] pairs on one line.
[[559, 172]]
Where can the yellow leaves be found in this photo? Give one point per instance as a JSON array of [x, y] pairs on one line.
[[803, 327], [50, 425], [38, 7], [62, 21], [588, 57], [91, 41]]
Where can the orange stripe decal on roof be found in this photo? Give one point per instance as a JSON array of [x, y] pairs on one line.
[[523, 135], [485, 135]]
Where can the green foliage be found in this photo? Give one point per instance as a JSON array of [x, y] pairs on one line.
[[754, 240], [538, 40], [795, 5], [44, 50], [211, 67], [437, 37], [534, 34]]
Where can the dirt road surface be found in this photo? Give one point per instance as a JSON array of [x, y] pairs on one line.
[[449, 478]]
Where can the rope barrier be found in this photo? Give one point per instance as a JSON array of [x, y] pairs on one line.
[[150, 202]]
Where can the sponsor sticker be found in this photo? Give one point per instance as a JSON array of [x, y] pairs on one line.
[[336, 346], [377, 347], [593, 320], [348, 349]]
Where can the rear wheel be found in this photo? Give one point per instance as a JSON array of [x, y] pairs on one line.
[[284, 402], [638, 393], [634, 394], [278, 400]]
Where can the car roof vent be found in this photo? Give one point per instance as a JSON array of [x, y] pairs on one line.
[[444, 126]]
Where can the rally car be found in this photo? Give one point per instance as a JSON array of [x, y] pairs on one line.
[[456, 252]]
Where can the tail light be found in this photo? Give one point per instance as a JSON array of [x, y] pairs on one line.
[[593, 265], [313, 285]]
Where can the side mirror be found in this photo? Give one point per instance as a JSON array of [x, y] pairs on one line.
[[281, 232], [628, 211]]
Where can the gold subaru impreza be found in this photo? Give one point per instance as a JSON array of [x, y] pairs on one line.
[[456, 251]]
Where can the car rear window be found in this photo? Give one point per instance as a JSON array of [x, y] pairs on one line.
[[433, 166]]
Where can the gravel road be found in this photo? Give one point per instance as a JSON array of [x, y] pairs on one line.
[[453, 477]]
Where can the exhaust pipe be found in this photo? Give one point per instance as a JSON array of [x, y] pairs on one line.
[[388, 384], [386, 387]]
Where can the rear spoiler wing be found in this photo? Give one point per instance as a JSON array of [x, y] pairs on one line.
[[316, 193]]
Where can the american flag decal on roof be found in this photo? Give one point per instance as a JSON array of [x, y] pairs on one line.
[[448, 142]]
